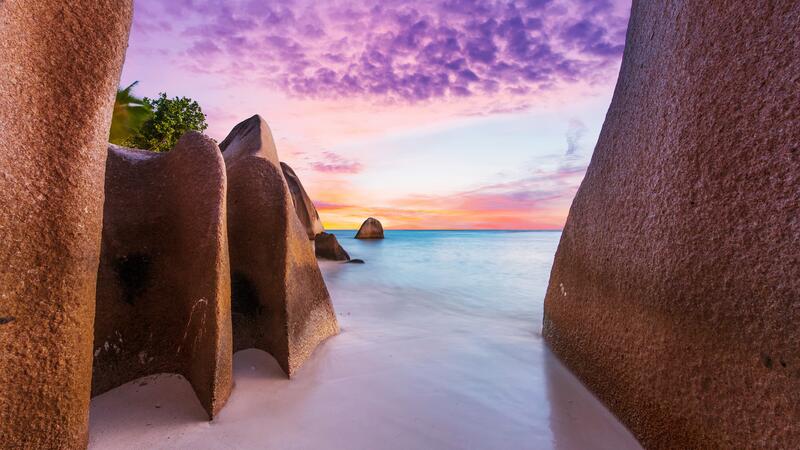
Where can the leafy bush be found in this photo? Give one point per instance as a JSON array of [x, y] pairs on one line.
[[170, 119]]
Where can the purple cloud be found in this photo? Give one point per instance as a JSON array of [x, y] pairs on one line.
[[335, 163], [394, 50]]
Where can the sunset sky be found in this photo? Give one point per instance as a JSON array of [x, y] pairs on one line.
[[435, 114]]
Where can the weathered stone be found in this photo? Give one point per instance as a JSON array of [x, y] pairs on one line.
[[370, 229], [163, 289], [60, 69], [279, 300], [303, 205], [326, 246], [674, 292]]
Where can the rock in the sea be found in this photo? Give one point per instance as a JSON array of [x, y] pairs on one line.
[[675, 289], [280, 303], [370, 229], [302, 203], [163, 289], [60, 70], [327, 246]]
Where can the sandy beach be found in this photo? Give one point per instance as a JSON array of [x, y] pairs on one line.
[[413, 367]]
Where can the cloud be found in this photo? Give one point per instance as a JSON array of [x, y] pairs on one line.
[[335, 163], [575, 132], [407, 51], [537, 198]]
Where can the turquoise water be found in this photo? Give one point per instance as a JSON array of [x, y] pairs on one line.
[[491, 274]]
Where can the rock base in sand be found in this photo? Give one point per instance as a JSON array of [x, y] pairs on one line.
[[674, 292], [60, 64], [279, 300], [163, 290]]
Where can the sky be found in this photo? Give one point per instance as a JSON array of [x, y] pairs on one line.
[[426, 114]]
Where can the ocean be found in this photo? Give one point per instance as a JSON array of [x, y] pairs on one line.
[[496, 276]]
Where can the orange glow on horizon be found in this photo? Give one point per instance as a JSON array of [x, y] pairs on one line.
[[351, 218]]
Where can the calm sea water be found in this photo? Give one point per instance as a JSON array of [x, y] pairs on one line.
[[491, 274]]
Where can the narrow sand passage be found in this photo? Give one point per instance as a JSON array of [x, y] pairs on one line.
[[417, 366]]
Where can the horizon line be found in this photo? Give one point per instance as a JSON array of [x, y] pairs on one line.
[[454, 229]]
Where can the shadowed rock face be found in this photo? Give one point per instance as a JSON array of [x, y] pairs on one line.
[[163, 289], [674, 292], [279, 300], [303, 205], [327, 246], [370, 229], [60, 69]]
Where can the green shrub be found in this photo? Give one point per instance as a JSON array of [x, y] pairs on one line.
[[170, 119]]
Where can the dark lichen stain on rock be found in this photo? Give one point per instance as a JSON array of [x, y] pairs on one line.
[[5, 320], [705, 384], [133, 272], [244, 296]]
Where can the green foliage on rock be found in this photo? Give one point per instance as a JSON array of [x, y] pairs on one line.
[[170, 119], [130, 113]]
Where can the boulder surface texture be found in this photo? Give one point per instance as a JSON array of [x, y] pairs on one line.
[[675, 291], [163, 289], [326, 246], [302, 203], [279, 300], [370, 229], [60, 65]]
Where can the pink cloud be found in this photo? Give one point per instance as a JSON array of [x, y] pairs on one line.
[[335, 163], [539, 201]]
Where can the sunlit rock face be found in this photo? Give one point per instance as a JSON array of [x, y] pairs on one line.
[[279, 300], [60, 65], [674, 292], [370, 229], [302, 203], [163, 289]]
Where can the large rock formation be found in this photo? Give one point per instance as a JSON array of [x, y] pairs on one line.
[[675, 293], [163, 289], [370, 229], [326, 246], [279, 300], [303, 205], [60, 69]]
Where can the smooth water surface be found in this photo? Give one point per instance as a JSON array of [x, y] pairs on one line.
[[497, 276]]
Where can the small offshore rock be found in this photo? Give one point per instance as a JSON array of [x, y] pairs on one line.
[[327, 246], [370, 229]]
